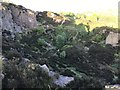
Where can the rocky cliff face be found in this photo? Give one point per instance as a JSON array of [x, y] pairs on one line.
[[16, 18]]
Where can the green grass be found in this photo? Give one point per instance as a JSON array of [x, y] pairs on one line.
[[103, 20], [89, 18]]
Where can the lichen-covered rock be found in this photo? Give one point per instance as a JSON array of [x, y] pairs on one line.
[[17, 19], [57, 79], [113, 39], [109, 35], [62, 81]]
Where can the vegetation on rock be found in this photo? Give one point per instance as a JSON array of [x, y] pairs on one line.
[[68, 49]]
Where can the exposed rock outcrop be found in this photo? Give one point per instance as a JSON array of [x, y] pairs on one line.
[[113, 39], [112, 35], [50, 57], [51, 18], [59, 80], [16, 18]]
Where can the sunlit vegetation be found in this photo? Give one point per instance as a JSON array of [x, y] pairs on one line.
[[76, 49], [94, 19]]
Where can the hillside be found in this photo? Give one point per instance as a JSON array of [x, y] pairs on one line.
[[49, 50]]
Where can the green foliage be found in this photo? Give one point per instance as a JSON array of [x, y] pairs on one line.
[[66, 46], [27, 75], [82, 30], [98, 38], [63, 54], [78, 74], [41, 41], [117, 55], [63, 50], [60, 40], [40, 30]]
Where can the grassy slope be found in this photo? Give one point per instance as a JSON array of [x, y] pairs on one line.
[[108, 18]]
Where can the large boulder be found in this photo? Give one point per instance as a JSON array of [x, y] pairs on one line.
[[113, 39], [16, 18], [111, 35]]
